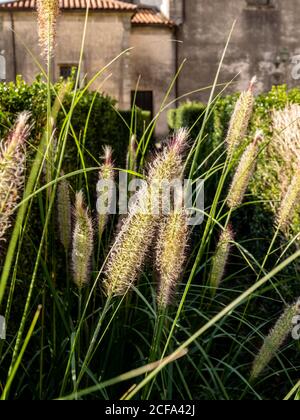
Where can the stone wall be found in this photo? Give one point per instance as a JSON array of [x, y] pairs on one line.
[[264, 42], [153, 60], [108, 34]]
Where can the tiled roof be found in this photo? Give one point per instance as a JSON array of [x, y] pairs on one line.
[[74, 4], [141, 16], [150, 16]]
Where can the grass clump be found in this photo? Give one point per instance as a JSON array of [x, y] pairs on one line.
[[170, 337]]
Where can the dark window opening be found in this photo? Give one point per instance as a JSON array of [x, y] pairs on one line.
[[67, 70], [143, 99], [260, 3]]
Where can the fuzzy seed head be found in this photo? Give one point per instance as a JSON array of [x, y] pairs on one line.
[[104, 194], [220, 258], [286, 139], [243, 174], [284, 157], [252, 83], [131, 246], [240, 120], [107, 155], [12, 170], [275, 339], [169, 164], [107, 168], [82, 242], [131, 156], [171, 254], [48, 11], [129, 252], [64, 213], [289, 203], [139, 227]]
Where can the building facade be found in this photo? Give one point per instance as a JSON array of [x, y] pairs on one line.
[[265, 42], [142, 37], [159, 35]]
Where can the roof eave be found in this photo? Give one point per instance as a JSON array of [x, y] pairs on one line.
[[27, 9], [156, 25]]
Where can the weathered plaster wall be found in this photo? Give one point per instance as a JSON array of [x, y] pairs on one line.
[[6, 40], [153, 59], [263, 43], [107, 36]]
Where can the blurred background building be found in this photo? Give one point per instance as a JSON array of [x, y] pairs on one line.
[[162, 34]]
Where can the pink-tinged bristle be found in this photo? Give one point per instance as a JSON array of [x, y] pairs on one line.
[[107, 155], [252, 83], [259, 136], [12, 171], [179, 140]]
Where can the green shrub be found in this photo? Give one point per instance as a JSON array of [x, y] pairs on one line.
[[264, 186], [105, 126], [189, 114]]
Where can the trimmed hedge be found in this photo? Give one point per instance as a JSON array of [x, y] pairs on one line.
[[255, 221], [106, 126], [191, 115]]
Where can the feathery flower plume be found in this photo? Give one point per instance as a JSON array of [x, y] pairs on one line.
[[64, 213], [82, 242], [105, 189], [275, 339], [240, 119], [285, 143], [48, 11], [136, 235], [220, 258], [169, 163], [290, 202], [131, 155], [244, 173], [12, 170], [129, 252], [171, 254], [284, 153]]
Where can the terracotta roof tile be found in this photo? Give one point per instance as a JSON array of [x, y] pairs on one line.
[[74, 4], [142, 15], [150, 16]]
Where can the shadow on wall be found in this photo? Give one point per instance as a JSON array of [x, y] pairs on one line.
[[263, 27]]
